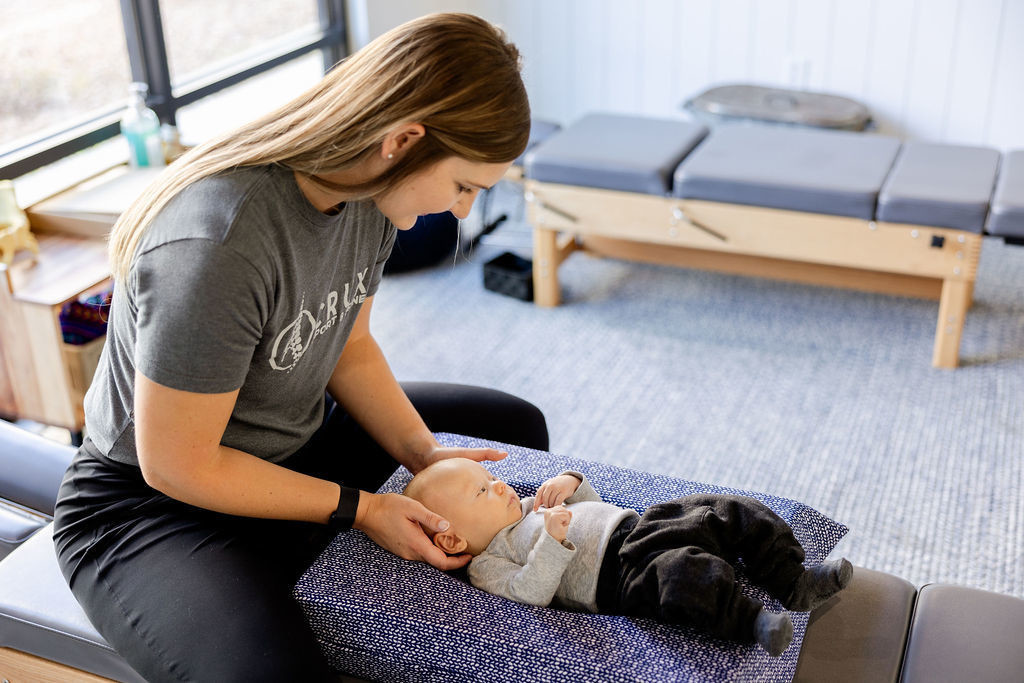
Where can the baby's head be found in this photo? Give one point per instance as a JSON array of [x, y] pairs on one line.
[[476, 505]]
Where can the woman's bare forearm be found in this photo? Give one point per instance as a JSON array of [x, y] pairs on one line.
[[178, 440], [238, 483]]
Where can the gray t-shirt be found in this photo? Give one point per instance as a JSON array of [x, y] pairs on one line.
[[240, 283]]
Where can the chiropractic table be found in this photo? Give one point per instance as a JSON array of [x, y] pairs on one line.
[[838, 208], [881, 628]]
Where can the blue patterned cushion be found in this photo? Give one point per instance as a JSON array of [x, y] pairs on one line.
[[382, 618]]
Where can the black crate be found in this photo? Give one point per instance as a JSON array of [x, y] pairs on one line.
[[510, 275]]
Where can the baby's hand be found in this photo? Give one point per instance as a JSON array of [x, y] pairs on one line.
[[556, 522], [554, 491]]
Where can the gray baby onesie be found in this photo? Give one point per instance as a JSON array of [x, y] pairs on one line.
[[526, 564]]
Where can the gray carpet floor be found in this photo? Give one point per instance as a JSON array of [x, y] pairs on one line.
[[818, 394]]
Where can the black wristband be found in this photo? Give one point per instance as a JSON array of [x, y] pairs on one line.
[[343, 518]]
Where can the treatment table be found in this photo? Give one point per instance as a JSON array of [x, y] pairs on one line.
[[881, 628], [838, 208]]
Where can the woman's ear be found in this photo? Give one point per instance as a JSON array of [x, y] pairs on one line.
[[401, 138], [450, 542]]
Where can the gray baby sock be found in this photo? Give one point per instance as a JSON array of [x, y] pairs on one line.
[[818, 584], [773, 632]]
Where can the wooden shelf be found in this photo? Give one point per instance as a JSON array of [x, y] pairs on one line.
[[66, 266], [45, 379]]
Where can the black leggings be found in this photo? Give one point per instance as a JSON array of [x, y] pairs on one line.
[[187, 594]]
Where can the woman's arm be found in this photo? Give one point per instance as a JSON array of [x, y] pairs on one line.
[[178, 437], [363, 384]]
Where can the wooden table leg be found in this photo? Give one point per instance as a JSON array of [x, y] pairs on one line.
[[545, 267], [953, 305]]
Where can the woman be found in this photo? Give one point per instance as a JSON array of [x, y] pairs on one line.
[[216, 468]]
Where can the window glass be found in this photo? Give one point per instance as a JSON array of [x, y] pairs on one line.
[[201, 33], [55, 69], [250, 99]]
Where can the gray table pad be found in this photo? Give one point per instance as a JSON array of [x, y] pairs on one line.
[[830, 172], [615, 152], [964, 634], [540, 130], [39, 614], [946, 186], [1006, 218]]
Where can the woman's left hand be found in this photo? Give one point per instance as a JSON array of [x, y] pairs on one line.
[[445, 452]]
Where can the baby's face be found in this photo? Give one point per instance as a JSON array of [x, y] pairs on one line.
[[476, 504]]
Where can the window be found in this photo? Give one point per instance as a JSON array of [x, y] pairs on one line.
[[68, 90], [248, 100], [43, 88], [202, 33]]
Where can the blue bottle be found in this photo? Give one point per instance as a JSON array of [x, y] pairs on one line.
[[141, 127]]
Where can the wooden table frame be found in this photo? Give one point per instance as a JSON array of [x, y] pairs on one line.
[[891, 258], [18, 666]]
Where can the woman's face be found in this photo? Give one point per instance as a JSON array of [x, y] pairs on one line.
[[449, 185]]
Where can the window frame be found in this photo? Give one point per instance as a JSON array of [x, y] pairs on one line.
[[147, 56]]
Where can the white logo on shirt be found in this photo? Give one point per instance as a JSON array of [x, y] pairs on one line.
[[295, 339]]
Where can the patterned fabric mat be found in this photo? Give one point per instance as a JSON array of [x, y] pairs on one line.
[[382, 618]]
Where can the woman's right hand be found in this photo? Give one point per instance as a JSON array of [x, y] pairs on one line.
[[393, 521]]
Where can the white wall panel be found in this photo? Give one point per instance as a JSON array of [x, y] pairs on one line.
[[846, 66], [889, 62], [970, 86], [695, 50], [772, 42], [590, 58], [1005, 114], [623, 68], [813, 28], [553, 59], [942, 70], [659, 66], [732, 35], [933, 36]]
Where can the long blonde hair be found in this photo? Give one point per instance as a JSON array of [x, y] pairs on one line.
[[456, 74]]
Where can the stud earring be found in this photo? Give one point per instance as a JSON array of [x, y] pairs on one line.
[[391, 156]]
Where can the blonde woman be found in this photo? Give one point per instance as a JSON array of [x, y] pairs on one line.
[[243, 413]]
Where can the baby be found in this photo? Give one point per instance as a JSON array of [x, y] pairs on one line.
[[568, 547]]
